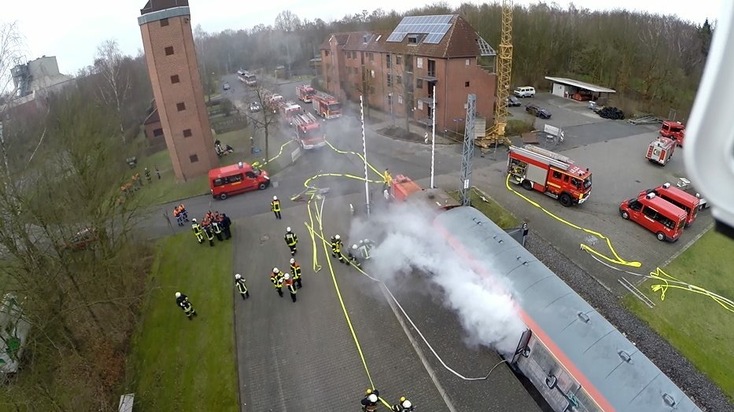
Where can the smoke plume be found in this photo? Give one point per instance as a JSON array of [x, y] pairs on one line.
[[407, 241]]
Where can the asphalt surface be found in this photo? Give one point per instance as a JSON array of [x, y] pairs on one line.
[[612, 149]]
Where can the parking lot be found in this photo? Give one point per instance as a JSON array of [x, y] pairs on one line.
[[614, 151]]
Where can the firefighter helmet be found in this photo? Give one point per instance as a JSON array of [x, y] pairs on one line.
[[237, 276], [178, 294], [337, 237], [288, 229], [287, 276], [275, 197], [368, 391], [193, 220], [372, 397], [354, 246], [276, 270], [293, 260], [405, 403]]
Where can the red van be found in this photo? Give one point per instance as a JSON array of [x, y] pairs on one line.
[[239, 178], [676, 196], [655, 214]]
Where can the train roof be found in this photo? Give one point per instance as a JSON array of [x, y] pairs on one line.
[[564, 321]]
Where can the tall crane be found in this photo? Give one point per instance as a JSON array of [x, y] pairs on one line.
[[496, 134]]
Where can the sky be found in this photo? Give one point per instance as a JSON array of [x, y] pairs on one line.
[[71, 30]]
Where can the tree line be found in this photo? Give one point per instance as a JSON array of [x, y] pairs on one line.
[[654, 62]]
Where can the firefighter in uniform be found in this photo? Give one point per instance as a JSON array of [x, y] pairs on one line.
[[291, 239], [183, 302], [217, 229], [291, 287], [241, 285], [275, 207], [198, 232], [296, 271], [352, 257], [336, 247], [403, 406], [277, 278], [370, 400], [209, 234]]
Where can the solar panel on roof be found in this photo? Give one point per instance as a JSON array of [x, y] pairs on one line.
[[435, 27]]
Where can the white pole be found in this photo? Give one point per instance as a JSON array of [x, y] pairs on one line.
[[433, 138], [364, 155]]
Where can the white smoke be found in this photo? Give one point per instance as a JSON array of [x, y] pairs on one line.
[[407, 241]]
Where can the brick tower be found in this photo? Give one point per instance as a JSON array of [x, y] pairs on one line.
[[174, 74]]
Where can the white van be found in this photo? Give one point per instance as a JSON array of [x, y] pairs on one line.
[[525, 91]]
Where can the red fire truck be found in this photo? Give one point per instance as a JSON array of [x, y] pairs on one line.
[[307, 131], [673, 130], [547, 172], [326, 106], [305, 92], [660, 150], [239, 178], [288, 110]]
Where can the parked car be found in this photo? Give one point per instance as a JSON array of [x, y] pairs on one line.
[[513, 101], [255, 107], [81, 240], [225, 86], [538, 111], [524, 91]]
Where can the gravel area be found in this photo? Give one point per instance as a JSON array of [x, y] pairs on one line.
[[695, 384]]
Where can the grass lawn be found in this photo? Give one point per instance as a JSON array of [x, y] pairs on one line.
[[177, 364], [695, 324], [498, 214]]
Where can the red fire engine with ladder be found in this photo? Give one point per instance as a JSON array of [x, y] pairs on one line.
[[307, 131], [660, 150], [305, 92], [326, 106], [288, 110], [551, 173]]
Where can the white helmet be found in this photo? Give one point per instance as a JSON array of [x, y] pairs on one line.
[[275, 197], [276, 270], [354, 247], [337, 237], [406, 404], [178, 294], [287, 276], [193, 220], [372, 397], [288, 229], [237, 276], [366, 241], [293, 260]]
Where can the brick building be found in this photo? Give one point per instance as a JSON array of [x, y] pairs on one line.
[[396, 70], [174, 74]]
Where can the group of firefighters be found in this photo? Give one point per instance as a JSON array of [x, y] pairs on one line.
[[213, 225], [181, 215], [372, 399]]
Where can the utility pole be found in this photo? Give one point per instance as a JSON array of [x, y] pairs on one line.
[[433, 134], [467, 152]]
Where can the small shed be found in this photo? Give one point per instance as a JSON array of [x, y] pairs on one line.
[[578, 90]]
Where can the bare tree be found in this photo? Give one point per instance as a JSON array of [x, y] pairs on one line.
[[267, 118], [287, 21], [116, 86]]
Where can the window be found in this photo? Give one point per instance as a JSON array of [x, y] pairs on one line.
[[466, 62], [169, 50], [557, 174], [194, 158], [466, 84], [389, 80], [372, 72], [164, 22], [635, 205], [175, 79], [157, 132], [181, 106], [419, 84], [419, 62], [413, 39], [388, 60], [400, 99], [372, 56], [398, 60], [187, 132], [251, 175], [398, 80]]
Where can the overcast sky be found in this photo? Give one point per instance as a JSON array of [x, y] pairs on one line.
[[71, 30]]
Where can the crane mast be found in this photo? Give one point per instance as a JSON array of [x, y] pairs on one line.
[[496, 134]]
